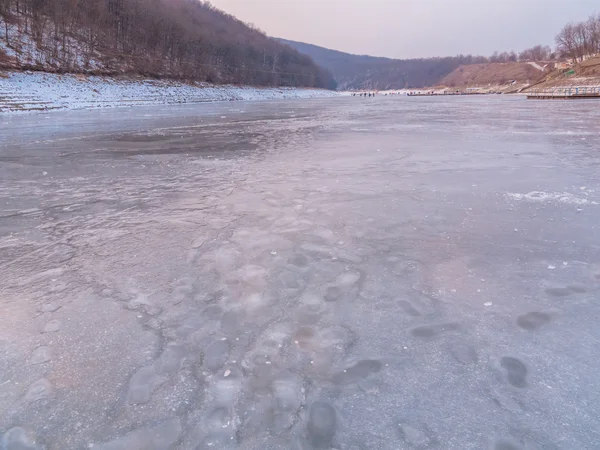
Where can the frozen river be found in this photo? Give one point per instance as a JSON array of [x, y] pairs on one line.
[[353, 274]]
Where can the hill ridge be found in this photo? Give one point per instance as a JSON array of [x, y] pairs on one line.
[[189, 40]]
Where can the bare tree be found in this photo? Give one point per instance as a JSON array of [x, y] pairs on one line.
[[579, 40], [593, 31], [582, 47], [536, 53], [566, 41]]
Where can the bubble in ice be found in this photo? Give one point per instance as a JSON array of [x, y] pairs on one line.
[[258, 417], [321, 426], [226, 390], [299, 260], [289, 397], [288, 391], [198, 242], [333, 293], [357, 372], [229, 323], [412, 436], [171, 360], [310, 306], [49, 307], [18, 438], [347, 279], [52, 326], [337, 337], [39, 390], [516, 372], [253, 275], [212, 312], [430, 331], [216, 355], [41, 355], [255, 301], [291, 281], [463, 353], [559, 292], [304, 336], [158, 437], [142, 384], [60, 253], [408, 308], [577, 288], [504, 444], [219, 441], [533, 320]]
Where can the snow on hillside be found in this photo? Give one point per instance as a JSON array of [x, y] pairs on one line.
[[37, 91]]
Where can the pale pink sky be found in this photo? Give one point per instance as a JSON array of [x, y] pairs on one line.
[[413, 28]]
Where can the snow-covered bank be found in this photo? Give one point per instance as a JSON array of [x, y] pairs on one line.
[[36, 91]]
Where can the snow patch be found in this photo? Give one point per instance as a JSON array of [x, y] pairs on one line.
[[34, 91], [550, 197]]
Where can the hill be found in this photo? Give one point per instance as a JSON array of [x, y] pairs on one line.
[[584, 73], [177, 39], [355, 72], [495, 74]]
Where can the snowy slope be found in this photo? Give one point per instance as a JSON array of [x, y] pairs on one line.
[[35, 91]]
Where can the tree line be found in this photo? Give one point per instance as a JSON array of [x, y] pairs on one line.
[[182, 39], [192, 40], [353, 72], [581, 39], [535, 53], [575, 41]]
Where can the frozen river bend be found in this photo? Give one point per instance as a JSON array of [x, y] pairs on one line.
[[396, 273]]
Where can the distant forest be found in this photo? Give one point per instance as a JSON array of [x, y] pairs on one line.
[[192, 40], [369, 72], [182, 39], [575, 41]]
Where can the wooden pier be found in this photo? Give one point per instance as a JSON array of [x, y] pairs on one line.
[[571, 93]]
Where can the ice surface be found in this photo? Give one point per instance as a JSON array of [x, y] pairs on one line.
[[258, 276]]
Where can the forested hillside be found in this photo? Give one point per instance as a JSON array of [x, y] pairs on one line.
[[576, 41], [368, 72], [181, 39]]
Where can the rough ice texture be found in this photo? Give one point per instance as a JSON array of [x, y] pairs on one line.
[[259, 276], [551, 197], [39, 91]]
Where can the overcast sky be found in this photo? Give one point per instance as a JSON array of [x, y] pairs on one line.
[[413, 28]]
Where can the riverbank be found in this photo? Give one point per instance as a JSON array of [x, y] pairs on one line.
[[39, 91]]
